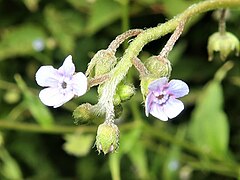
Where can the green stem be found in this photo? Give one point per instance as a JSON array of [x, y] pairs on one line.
[[55, 129], [222, 22], [120, 71], [34, 128]]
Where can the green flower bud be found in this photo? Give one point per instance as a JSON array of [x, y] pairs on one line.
[[102, 62], [107, 138], [125, 91], [222, 43], [158, 66], [116, 99], [85, 113]]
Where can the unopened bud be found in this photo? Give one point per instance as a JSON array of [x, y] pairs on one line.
[[223, 43], [83, 113], [107, 138], [101, 63], [125, 91], [158, 66], [116, 99], [86, 113]]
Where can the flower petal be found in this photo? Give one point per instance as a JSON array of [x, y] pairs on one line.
[[47, 76], [148, 102], [53, 97], [158, 84], [79, 84], [157, 111], [173, 107], [178, 88], [68, 68]]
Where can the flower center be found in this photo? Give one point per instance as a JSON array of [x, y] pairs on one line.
[[64, 85], [160, 96]]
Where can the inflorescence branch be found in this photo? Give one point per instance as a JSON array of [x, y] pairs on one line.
[[120, 70]]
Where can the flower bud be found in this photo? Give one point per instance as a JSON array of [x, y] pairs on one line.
[[223, 43], [125, 91], [107, 138], [83, 113], [116, 99], [102, 62], [158, 66]]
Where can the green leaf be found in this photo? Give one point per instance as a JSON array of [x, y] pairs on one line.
[[9, 168], [172, 163], [79, 4], [209, 127], [139, 160], [65, 25], [32, 152], [129, 139], [175, 7], [114, 164], [78, 144], [18, 41], [103, 13], [38, 110]]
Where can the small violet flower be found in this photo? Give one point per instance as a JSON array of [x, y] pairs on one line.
[[161, 100], [61, 84]]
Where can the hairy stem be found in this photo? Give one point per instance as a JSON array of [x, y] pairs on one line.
[[222, 22], [172, 40], [98, 80], [140, 67], [122, 37]]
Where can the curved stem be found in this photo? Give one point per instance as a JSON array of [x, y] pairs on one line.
[[121, 69], [172, 40]]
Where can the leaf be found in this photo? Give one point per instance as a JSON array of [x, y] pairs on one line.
[[172, 163], [65, 25], [128, 140], [9, 168], [209, 127], [38, 110], [32, 151], [79, 4], [32, 5], [175, 7], [114, 164], [78, 144], [139, 160], [103, 13], [18, 41]]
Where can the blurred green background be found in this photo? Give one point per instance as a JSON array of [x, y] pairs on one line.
[[37, 142]]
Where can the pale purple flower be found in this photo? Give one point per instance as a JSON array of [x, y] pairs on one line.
[[61, 84], [161, 100]]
